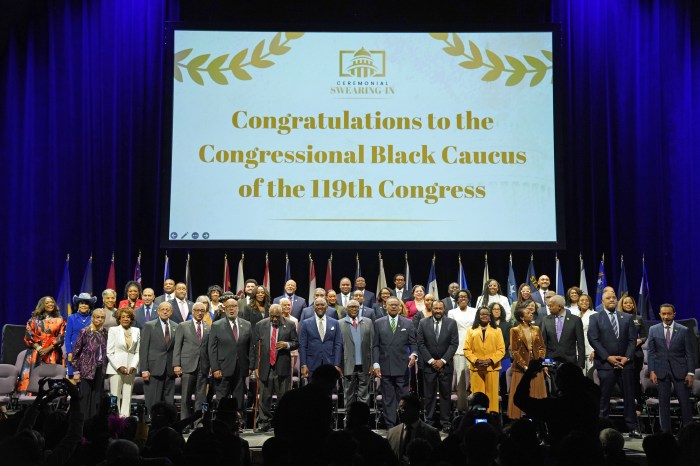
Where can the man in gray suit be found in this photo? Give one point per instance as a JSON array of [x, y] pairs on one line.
[[147, 311], [394, 353], [182, 307], [190, 338], [358, 338], [438, 340], [156, 357], [277, 338], [229, 350], [168, 292]]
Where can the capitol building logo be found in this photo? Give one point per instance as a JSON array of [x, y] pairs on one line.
[[362, 63]]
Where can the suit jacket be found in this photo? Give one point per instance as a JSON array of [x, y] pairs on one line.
[[140, 313], [392, 350], [312, 351], [491, 346], [368, 313], [225, 354], [298, 303], [370, 297], [537, 297], [118, 354], [366, 327], [154, 355], [286, 331], [176, 316], [448, 303], [308, 313], [187, 346], [518, 347], [444, 347], [161, 298], [602, 339], [422, 430], [406, 294], [253, 315], [678, 359], [571, 347], [379, 311]]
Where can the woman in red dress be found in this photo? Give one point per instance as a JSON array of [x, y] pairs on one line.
[[44, 336]]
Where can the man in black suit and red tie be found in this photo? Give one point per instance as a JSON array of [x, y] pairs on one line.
[[277, 338], [156, 357]]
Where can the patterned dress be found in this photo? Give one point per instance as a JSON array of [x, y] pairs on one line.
[[46, 332]]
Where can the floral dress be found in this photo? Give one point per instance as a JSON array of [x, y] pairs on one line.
[[46, 332]]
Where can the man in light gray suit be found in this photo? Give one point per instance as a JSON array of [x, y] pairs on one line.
[[156, 357], [190, 338], [277, 338], [358, 338], [394, 353], [229, 349]]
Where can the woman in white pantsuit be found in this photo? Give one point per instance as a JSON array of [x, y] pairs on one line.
[[123, 344]]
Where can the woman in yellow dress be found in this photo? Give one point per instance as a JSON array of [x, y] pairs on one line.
[[484, 348], [526, 344]]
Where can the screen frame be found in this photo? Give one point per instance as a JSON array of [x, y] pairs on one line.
[[559, 80]]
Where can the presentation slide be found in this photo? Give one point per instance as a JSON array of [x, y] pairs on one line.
[[330, 137]]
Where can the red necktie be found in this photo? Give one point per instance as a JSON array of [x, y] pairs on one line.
[[273, 347], [167, 334], [235, 331], [354, 323], [199, 332]]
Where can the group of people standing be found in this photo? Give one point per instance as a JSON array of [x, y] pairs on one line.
[[216, 342]]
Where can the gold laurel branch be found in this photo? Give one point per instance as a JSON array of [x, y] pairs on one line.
[[218, 66], [518, 69]]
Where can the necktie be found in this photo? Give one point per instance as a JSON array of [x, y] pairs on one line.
[[235, 331], [273, 347], [560, 325], [199, 332], [148, 313], [393, 325], [668, 337], [406, 438], [613, 321], [354, 323], [321, 329], [183, 310], [167, 334], [437, 330]]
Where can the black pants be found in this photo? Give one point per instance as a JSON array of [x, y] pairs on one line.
[[91, 392]]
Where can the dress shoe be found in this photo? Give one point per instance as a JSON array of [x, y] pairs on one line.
[[634, 433]]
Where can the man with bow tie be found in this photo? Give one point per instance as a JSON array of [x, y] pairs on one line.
[[672, 362]]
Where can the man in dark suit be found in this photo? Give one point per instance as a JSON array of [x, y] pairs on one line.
[[277, 338], [361, 285], [562, 333], [345, 294], [450, 301], [168, 292], [538, 295], [320, 341], [182, 307], [672, 361], [229, 351], [156, 357], [148, 311], [411, 428], [365, 311], [298, 303], [613, 337], [438, 340], [393, 354], [601, 307], [308, 311], [358, 336], [244, 301], [542, 312], [190, 338], [399, 288]]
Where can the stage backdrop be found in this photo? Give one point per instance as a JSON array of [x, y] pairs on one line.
[[80, 89]]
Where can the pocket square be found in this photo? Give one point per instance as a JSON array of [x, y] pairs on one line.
[[403, 329], [332, 328]]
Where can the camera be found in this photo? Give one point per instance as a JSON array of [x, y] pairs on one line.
[[205, 407], [549, 362], [56, 384], [479, 420]]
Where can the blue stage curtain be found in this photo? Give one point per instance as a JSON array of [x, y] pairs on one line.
[[80, 92]]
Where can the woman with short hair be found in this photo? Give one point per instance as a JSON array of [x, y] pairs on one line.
[[90, 362], [123, 345]]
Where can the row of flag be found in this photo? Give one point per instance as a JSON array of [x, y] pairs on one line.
[[64, 298]]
